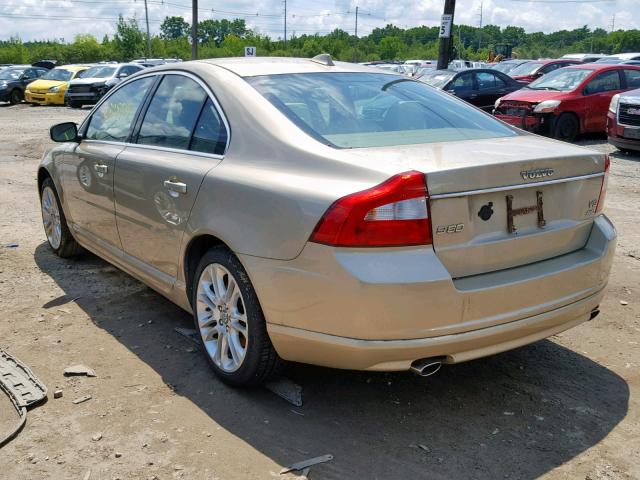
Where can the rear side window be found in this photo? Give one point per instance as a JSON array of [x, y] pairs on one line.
[[173, 113], [633, 78], [604, 82], [113, 118], [210, 134], [488, 80]]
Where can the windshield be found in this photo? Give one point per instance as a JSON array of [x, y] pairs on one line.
[[350, 110], [528, 68], [58, 74], [11, 74], [506, 67], [99, 72], [437, 79], [563, 80]]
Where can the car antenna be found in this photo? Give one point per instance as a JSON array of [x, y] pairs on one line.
[[323, 59]]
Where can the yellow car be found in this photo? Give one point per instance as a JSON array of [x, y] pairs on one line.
[[49, 89]]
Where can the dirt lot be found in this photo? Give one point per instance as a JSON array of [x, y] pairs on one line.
[[562, 408]]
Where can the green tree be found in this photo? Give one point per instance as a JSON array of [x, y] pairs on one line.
[[390, 48], [174, 27], [128, 40]]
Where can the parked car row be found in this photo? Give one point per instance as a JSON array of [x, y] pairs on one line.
[[73, 85]]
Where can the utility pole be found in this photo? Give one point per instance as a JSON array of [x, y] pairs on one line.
[[444, 46], [146, 15], [285, 24], [194, 29], [613, 22], [480, 31], [356, 22]]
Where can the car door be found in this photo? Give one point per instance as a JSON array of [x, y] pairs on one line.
[[463, 86], [490, 88], [597, 96], [88, 169], [180, 137]]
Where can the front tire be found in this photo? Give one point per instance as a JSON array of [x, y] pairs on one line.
[[55, 224], [16, 97], [566, 128], [230, 322]]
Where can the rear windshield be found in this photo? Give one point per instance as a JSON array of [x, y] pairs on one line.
[[562, 80], [374, 110], [58, 74], [528, 68]]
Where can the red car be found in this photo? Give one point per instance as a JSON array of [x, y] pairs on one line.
[[534, 69], [623, 119], [569, 101]]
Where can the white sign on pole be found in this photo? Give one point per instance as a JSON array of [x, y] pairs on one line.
[[445, 25], [249, 51]]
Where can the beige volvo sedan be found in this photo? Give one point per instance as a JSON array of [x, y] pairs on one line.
[[331, 214]]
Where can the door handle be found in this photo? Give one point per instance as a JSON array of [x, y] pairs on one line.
[[99, 168], [177, 187]]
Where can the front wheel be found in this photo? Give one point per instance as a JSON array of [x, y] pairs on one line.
[[230, 322], [16, 97], [566, 127], [55, 224]]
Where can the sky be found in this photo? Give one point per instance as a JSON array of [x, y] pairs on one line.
[[63, 19]]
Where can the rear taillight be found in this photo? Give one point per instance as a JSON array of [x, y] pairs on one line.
[[603, 187], [392, 214]]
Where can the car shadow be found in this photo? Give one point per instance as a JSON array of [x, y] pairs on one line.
[[515, 415]]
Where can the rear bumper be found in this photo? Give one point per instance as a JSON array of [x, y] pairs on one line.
[[44, 98], [383, 310]]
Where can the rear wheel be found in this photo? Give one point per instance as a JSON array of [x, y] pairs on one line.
[[230, 322], [16, 97], [55, 224], [566, 127]]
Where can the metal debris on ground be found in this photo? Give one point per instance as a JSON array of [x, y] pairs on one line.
[[82, 399], [306, 463], [189, 333], [285, 388], [22, 387], [79, 370]]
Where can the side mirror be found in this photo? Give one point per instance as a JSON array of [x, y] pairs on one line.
[[64, 132], [123, 75]]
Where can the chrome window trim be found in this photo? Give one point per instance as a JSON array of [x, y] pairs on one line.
[[161, 149], [135, 77], [514, 187]]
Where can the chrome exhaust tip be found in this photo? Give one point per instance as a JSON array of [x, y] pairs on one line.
[[426, 367]]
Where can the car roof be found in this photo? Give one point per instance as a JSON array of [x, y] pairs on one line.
[[601, 66], [73, 68], [253, 66]]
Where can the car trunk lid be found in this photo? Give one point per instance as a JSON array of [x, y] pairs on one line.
[[505, 202]]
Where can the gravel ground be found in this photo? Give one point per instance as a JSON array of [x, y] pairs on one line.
[[566, 407]]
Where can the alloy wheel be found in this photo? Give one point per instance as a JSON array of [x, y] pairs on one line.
[[222, 318], [51, 218]]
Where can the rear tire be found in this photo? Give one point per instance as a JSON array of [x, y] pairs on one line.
[[231, 324], [16, 97], [55, 224], [566, 127]]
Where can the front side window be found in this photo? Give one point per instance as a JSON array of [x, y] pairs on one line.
[[351, 110], [463, 83], [604, 82], [173, 113], [113, 119]]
